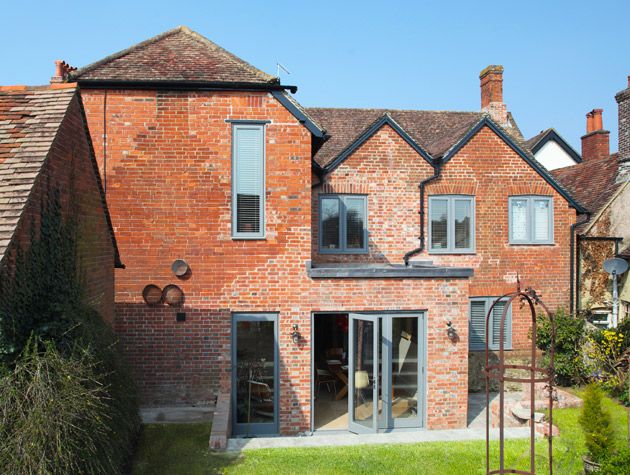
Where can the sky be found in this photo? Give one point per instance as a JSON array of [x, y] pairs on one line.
[[561, 58]]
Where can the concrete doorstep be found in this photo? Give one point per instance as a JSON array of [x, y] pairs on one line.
[[403, 437]]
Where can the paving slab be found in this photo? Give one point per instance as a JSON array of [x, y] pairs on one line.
[[348, 439]]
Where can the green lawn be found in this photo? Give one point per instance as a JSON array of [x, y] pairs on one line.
[[182, 449]]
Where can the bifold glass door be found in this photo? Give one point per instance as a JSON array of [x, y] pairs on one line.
[[386, 372], [254, 374], [363, 375]]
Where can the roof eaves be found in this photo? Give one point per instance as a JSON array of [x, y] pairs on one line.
[[299, 113], [386, 118], [552, 134], [486, 120]]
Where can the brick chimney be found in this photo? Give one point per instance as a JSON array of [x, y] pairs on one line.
[[491, 82], [595, 144], [623, 103], [62, 69]]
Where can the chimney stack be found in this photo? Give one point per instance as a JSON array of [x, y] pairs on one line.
[[62, 69], [623, 103], [595, 144], [491, 82]]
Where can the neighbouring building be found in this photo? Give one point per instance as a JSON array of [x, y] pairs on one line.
[[312, 265], [552, 151], [601, 184], [46, 155]]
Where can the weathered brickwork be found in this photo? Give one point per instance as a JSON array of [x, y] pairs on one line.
[[69, 171], [389, 171], [167, 164]]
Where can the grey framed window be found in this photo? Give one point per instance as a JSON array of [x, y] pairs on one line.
[[530, 220], [343, 224], [255, 373], [451, 224], [248, 181], [479, 307]]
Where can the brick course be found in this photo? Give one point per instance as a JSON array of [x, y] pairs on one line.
[[168, 159]]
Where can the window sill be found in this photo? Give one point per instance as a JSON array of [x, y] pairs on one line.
[[532, 243], [342, 253], [454, 253], [249, 238]]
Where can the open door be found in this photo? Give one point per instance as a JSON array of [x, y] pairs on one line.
[[363, 377]]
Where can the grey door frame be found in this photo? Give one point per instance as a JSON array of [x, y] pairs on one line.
[[422, 362], [259, 428], [354, 426]]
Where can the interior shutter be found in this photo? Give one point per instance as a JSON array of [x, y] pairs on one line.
[[477, 338], [439, 223], [249, 177], [495, 322], [518, 222]]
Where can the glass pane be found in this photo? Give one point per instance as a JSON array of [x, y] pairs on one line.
[[541, 220], [519, 220], [355, 212], [255, 342], [247, 213], [439, 224], [363, 373], [405, 367], [463, 224], [330, 223]]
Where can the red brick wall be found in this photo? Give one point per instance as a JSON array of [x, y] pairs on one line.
[[168, 175], [388, 170], [69, 170]]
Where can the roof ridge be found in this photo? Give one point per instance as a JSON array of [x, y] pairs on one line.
[[124, 52], [388, 109], [154, 39], [208, 42]]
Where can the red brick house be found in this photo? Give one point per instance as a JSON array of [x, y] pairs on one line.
[[45, 148], [307, 293]]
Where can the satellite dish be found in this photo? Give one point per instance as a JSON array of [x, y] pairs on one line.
[[615, 265]]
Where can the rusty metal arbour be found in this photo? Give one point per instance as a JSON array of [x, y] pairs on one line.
[[536, 375]]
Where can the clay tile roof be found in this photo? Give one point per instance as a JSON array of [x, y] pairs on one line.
[[175, 55], [434, 131], [531, 143], [592, 182], [29, 120]]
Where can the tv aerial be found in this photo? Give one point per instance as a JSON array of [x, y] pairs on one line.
[[615, 266], [281, 67]]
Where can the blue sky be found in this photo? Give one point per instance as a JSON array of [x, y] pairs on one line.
[[561, 58]]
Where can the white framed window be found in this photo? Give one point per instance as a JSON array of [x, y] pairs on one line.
[[479, 307], [530, 219], [451, 224], [248, 181], [343, 224]]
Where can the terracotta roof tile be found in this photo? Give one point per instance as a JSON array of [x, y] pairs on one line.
[[176, 55], [29, 120], [592, 182], [434, 131]]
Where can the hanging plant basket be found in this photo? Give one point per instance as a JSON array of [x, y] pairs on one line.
[[173, 295]]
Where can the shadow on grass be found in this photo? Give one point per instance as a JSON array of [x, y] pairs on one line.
[[176, 449]]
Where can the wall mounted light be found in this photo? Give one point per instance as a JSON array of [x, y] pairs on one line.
[[451, 332], [295, 335]]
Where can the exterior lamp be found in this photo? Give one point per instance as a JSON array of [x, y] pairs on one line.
[[451, 332], [295, 335]]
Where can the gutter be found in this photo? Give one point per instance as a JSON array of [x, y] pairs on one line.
[[437, 168], [183, 85], [574, 263]]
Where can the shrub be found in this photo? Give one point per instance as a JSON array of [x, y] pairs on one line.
[[617, 464], [570, 337], [62, 413], [606, 351], [596, 424]]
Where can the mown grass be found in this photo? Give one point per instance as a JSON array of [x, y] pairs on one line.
[[182, 449]]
